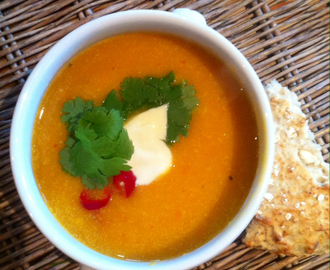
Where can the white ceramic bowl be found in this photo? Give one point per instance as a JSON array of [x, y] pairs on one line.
[[187, 24]]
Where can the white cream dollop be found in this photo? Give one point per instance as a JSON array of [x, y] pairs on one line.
[[151, 157]]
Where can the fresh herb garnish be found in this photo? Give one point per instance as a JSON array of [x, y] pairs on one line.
[[98, 146], [138, 94]]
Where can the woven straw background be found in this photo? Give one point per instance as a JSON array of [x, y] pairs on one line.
[[283, 40]]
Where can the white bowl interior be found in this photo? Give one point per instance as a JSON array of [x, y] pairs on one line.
[[74, 43]]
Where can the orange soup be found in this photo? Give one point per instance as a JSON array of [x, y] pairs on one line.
[[212, 169]]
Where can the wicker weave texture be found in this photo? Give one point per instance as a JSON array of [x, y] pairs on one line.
[[283, 40]]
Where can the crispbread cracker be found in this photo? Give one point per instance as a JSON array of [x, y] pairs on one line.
[[293, 218]]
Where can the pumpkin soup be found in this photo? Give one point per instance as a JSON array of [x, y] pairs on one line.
[[211, 171]]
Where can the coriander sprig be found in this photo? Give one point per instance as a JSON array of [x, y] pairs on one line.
[[137, 94], [98, 146]]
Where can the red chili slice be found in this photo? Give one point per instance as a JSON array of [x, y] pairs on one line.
[[125, 180], [95, 199]]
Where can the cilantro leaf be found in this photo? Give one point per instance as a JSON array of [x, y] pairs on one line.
[[73, 110], [179, 114], [89, 164], [132, 92], [187, 90], [190, 103], [104, 123], [112, 102], [178, 121], [86, 161], [153, 98], [123, 149], [65, 155], [85, 134], [163, 85], [173, 132], [175, 94], [189, 100], [103, 146], [91, 183]]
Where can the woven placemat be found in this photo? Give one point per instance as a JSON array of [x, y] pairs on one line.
[[283, 40]]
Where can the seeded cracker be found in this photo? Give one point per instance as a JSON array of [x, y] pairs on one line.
[[293, 218]]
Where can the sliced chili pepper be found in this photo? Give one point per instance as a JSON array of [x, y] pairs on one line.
[[125, 180], [95, 199]]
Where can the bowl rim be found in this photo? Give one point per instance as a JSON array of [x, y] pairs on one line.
[[23, 174]]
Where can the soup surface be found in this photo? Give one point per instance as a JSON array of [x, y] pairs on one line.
[[212, 169]]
